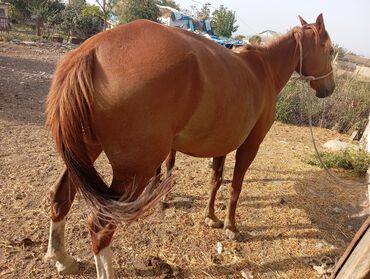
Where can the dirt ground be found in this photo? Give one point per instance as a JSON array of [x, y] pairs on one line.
[[289, 213]]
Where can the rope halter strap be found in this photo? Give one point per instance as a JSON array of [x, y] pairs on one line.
[[298, 36]]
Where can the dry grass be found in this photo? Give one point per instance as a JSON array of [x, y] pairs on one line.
[[288, 211]]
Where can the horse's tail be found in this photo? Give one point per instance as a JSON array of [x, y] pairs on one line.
[[69, 115]]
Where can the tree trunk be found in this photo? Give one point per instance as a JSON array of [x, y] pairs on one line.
[[38, 26]]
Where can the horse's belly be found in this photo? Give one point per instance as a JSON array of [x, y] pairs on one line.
[[216, 142]]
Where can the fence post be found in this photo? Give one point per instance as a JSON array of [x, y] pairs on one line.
[[365, 145]]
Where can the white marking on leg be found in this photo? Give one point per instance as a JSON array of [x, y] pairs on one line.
[[65, 264], [103, 262]]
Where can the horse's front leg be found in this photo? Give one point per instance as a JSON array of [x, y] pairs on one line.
[[244, 157], [215, 183]]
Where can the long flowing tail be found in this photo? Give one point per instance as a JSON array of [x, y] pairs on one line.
[[69, 115]]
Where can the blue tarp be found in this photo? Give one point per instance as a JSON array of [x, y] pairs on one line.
[[227, 42]]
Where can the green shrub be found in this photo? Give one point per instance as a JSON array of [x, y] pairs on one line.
[[345, 110], [351, 159], [13, 35]]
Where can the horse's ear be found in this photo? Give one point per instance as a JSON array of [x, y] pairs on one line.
[[303, 22], [320, 24]]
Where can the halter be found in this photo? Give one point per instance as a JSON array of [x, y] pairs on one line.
[[298, 37]]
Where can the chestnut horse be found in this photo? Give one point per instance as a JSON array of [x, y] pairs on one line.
[[141, 90]]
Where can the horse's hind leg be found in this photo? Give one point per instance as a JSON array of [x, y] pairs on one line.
[[215, 183], [62, 194], [101, 232], [170, 162]]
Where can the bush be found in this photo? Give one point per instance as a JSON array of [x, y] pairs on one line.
[[347, 109], [351, 159]]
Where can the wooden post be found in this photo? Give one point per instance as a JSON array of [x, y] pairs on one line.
[[365, 145], [355, 262]]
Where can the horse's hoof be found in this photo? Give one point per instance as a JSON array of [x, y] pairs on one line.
[[49, 258], [70, 266], [233, 235], [213, 223]]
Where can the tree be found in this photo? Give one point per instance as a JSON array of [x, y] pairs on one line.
[[341, 51], [239, 37], [19, 10], [131, 10], [205, 12], [88, 26], [80, 19], [169, 3], [223, 22], [36, 10], [255, 40], [106, 7], [92, 10], [77, 4]]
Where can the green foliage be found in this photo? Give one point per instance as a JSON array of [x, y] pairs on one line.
[[223, 22], [106, 7], [239, 37], [21, 37], [347, 109], [19, 10], [36, 11], [88, 26], [91, 10], [169, 3], [352, 159], [340, 50], [81, 20], [77, 4], [133, 9], [205, 12]]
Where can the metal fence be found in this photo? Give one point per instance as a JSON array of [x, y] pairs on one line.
[[4, 24]]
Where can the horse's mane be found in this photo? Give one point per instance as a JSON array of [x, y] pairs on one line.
[[296, 32]]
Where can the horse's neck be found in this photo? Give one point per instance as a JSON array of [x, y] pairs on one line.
[[282, 59]]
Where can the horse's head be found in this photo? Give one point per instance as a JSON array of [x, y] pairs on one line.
[[316, 57]]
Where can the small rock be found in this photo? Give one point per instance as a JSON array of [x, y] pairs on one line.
[[22, 241], [281, 201], [247, 274], [160, 264], [337, 145], [19, 196], [216, 259], [337, 210], [219, 247], [320, 270], [183, 202]]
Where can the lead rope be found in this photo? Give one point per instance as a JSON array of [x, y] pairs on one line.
[[309, 101]]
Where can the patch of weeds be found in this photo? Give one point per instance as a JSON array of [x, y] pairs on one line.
[[350, 159]]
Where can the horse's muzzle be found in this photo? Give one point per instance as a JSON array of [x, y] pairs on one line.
[[325, 91]]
